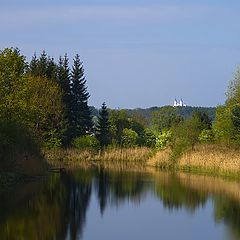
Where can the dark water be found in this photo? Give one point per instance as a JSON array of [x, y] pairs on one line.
[[97, 204]]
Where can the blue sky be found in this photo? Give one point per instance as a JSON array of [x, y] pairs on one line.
[[135, 53]]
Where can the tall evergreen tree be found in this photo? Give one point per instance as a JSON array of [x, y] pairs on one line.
[[80, 120], [63, 79], [44, 66], [103, 127], [33, 66], [51, 69]]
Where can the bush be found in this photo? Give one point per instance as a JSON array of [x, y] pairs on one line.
[[15, 140], [206, 136], [163, 139], [149, 138], [86, 142], [129, 138], [185, 136], [52, 140]]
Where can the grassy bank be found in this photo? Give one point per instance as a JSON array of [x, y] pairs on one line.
[[204, 159], [118, 158]]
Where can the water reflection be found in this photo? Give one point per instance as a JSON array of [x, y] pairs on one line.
[[56, 207]]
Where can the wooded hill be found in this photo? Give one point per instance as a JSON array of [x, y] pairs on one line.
[[147, 113]]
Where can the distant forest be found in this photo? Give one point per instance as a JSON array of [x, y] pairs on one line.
[[185, 112]]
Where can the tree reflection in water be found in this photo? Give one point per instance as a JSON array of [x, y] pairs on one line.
[[56, 208]]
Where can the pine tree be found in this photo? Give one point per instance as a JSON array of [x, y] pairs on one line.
[[63, 79], [44, 66], [33, 66], [51, 69], [103, 127], [80, 119]]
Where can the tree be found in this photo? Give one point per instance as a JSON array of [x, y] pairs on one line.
[[44, 66], [44, 108], [223, 125], [185, 136], [63, 79], [165, 118], [227, 123], [119, 120], [233, 93], [129, 138], [80, 119], [203, 118], [12, 83], [103, 127]]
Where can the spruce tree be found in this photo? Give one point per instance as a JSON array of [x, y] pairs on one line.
[[33, 66], [44, 66], [103, 126], [63, 79], [80, 122]]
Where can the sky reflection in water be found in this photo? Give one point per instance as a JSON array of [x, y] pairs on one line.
[[97, 204]]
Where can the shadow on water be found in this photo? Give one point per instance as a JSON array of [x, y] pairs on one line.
[[56, 207]]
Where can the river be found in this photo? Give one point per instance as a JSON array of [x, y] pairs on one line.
[[98, 204]]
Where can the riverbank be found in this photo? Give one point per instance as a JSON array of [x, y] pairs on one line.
[[204, 159], [214, 160], [117, 158]]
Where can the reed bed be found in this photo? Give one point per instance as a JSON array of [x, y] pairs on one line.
[[118, 158], [207, 159], [210, 159]]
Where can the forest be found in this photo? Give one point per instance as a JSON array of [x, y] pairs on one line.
[[44, 106]]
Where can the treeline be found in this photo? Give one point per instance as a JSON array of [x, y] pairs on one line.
[[48, 99], [184, 112]]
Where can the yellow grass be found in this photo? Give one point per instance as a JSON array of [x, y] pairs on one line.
[[116, 157], [208, 158], [212, 159]]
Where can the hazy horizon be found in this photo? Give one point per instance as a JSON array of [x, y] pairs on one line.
[[136, 54]]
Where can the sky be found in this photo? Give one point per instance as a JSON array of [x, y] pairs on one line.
[[136, 53]]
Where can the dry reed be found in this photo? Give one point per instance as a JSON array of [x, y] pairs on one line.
[[211, 159], [119, 158]]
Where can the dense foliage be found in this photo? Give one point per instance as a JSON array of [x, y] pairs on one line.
[[49, 100]]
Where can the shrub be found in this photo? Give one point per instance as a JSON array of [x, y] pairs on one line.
[[52, 140], [86, 142], [206, 136], [149, 138], [15, 140], [129, 138], [163, 139]]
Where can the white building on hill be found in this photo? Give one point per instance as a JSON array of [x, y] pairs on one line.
[[180, 103]]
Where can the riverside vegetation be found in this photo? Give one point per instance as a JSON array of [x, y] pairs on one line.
[[45, 120]]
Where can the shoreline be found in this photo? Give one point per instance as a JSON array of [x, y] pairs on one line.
[[222, 162]]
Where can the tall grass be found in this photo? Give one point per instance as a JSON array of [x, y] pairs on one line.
[[108, 158], [212, 159], [207, 159]]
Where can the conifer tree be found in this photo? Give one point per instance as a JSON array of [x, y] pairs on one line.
[[33, 66], [103, 127], [80, 119], [63, 79], [44, 66]]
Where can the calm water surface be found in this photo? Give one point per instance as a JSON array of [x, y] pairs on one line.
[[98, 204]]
